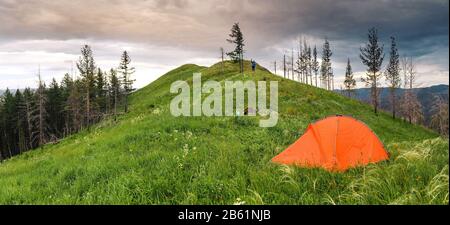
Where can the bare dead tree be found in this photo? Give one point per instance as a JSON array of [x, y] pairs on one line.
[[292, 64], [40, 118], [439, 119], [411, 107]]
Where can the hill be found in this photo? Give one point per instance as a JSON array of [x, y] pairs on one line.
[[150, 157]]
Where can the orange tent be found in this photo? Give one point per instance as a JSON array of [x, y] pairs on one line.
[[334, 143]]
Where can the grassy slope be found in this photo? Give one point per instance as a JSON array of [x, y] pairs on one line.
[[150, 157]]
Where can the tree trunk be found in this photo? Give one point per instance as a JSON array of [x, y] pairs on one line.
[[315, 73], [275, 65], [88, 108], [29, 124], [306, 78], [126, 102], [115, 105], [393, 103], [292, 64], [41, 120], [375, 94]]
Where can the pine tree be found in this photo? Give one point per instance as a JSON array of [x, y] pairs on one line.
[[8, 124], [55, 110], [299, 63], [2, 129], [67, 84], [349, 82], [304, 61], [101, 90], [30, 109], [114, 91], [86, 67], [309, 64], [291, 64], [21, 126], [325, 69], [74, 108], [126, 72], [237, 38], [372, 56], [315, 64], [393, 75]]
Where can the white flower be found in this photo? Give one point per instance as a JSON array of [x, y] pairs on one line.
[[239, 202]]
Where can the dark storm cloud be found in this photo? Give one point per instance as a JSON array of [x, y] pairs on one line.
[[193, 22], [201, 27]]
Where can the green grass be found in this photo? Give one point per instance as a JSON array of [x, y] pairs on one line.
[[151, 157]]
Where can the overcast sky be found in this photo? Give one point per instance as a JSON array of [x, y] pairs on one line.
[[163, 34]]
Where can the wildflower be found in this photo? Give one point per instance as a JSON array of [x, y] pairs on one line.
[[239, 202]]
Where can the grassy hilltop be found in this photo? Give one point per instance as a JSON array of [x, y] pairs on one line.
[[150, 157]]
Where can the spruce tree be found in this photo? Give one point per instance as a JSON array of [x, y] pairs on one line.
[[30, 111], [66, 89], [55, 110], [349, 82], [309, 64], [326, 72], [393, 75], [114, 91], [74, 108], [66, 85], [21, 126], [86, 67], [315, 64], [372, 56], [2, 129], [8, 124], [101, 90], [237, 38], [126, 70]]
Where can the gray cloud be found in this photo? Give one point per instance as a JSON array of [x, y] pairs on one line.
[[167, 33]]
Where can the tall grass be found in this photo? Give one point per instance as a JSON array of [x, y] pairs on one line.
[[150, 157]]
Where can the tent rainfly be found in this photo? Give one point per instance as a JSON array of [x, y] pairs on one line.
[[335, 143]]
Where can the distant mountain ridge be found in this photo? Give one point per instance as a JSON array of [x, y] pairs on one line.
[[426, 97]]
